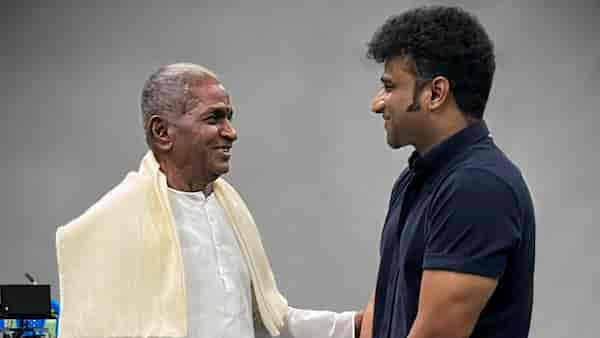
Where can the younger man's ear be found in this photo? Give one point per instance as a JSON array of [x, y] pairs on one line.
[[440, 90]]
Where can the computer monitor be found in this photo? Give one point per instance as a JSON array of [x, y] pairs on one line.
[[30, 301]]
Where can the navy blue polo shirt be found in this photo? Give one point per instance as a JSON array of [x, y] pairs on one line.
[[462, 207]]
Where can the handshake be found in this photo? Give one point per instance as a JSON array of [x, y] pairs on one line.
[[363, 320]]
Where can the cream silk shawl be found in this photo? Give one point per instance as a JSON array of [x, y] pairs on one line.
[[120, 264]]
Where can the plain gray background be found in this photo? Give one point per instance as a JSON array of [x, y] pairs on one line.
[[311, 161]]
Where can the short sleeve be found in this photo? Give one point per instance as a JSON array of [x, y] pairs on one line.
[[473, 224]]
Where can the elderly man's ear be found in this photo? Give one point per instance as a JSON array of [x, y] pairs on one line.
[[158, 133]]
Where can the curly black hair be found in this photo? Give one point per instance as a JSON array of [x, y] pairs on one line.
[[441, 41]]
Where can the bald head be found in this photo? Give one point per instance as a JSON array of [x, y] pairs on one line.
[[167, 90]]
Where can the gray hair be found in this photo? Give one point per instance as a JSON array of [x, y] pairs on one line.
[[167, 90]]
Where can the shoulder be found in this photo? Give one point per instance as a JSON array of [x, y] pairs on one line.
[[475, 187], [486, 179], [475, 180], [487, 157], [129, 194], [485, 169]]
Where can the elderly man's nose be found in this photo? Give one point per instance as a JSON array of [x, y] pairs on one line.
[[229, 131]]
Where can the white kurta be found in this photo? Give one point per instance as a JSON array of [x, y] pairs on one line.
[[218, 285]]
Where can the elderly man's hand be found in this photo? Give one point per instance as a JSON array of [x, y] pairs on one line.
[[366, 327], [377, 103], [358, 316]]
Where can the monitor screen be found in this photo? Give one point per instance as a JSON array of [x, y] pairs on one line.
[[25, 301]]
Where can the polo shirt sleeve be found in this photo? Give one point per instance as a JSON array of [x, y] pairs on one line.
[[474, 224]]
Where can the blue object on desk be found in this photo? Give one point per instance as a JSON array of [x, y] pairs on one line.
[[55, 308], [32, 326]]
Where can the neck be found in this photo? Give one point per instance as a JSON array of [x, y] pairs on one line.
[[185, 178], [442, 130]]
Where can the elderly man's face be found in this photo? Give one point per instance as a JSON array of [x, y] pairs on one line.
[[203, 135]]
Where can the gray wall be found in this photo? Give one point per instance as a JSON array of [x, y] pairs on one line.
[[311, 160]]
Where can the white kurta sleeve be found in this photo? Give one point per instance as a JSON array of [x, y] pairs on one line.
[[318, 324]]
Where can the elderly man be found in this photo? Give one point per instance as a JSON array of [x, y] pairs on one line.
[[172, 250]]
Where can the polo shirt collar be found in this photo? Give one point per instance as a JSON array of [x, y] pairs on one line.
[[445, 151]]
